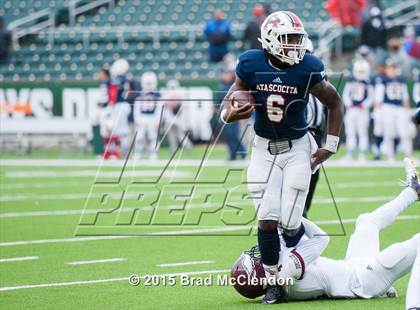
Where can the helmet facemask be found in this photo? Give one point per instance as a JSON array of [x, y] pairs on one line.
[[281, 48]]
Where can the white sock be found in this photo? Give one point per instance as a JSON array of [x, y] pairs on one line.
[[413, 290], [386, 214]]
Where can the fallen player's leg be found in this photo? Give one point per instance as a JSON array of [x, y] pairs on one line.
[[412, 301]]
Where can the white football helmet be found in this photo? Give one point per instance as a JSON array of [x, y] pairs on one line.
[[172, 84], [119, 67], [361, 70], [275, 31], [149, 81]]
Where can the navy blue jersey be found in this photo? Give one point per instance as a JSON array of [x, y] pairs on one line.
[[148, 102], [391, 91], [281, 95], [357, 92]]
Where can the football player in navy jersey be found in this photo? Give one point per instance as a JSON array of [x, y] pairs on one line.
[[114, 117], [357, 98], [280, 77], [147, 116], [391, 95]]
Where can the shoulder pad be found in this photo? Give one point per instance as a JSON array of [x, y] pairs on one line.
[[249, 60]]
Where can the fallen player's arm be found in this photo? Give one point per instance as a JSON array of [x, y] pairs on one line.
[[305, 253], [327, 94], [228, 112], [317, 241]]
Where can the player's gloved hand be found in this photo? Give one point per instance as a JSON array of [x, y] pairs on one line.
[[292, 266], [319, 157], [231, 113]]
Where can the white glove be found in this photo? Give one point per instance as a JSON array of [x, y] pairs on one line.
[[291, 266]]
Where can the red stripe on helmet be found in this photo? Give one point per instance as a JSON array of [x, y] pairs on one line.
[[295, 19]]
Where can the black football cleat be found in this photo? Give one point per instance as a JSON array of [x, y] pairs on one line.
[[272, 295]]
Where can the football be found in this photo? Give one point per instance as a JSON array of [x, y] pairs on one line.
[[241, 98]]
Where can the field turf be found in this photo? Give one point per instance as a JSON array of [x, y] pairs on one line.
[[43, 223]]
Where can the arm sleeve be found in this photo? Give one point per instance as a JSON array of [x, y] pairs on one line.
[[317, 73], [416, 92], [312, 248], [405, 94], [245, 70], [369, 98], [207, 31]]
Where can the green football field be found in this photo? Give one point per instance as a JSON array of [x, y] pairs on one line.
[[72, 232]]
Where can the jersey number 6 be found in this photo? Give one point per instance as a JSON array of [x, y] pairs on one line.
[[274, 108]]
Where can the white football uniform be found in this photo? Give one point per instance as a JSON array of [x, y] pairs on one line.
[[366, 271], [275, 199], [357, 98], [147, 116], [391, 94]]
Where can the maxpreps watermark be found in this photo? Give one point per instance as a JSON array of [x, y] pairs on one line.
[[210, 280]]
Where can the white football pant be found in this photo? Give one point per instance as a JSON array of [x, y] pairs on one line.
[[395, 124], [279, 183], [412, 300], [357, 124], [147, 135]]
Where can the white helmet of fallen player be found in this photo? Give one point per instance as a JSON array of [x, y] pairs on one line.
[[361, 70], [149, 81], [119, 67], [283, 36]]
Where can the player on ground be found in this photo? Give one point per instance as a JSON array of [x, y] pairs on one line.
[[358, 98], [280, 77], [147, 116], [391, 94], [366, 272]]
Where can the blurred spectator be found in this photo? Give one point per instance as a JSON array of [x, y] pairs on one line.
[[399, 56], [347, 12], [252, 30], [374, 34], [218, 34], [267, 8], [410, 43], [5, 42], [231, 131], [175, 125]]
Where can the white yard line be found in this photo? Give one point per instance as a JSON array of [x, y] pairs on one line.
[[186, 263], [215, 229], [54, 284], [92, 173], [43, 185], [179, 163], [169, 207], [18, 259], [97, 261], [77, 196]]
